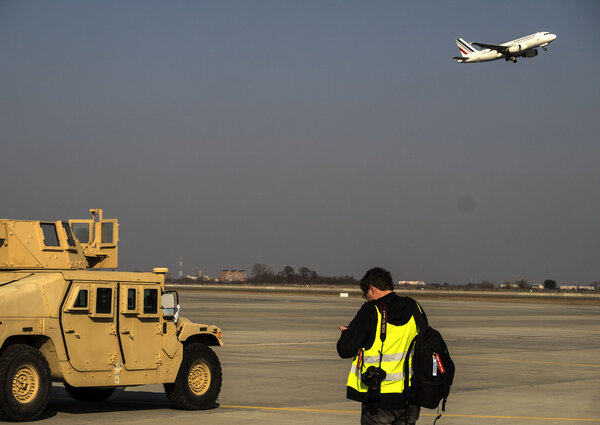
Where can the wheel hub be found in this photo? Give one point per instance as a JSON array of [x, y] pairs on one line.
[[199, 379], [25, 384]]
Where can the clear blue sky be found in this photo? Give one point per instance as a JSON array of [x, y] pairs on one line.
[[336, 135]]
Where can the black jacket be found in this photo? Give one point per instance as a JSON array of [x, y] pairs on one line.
[[362, 330]]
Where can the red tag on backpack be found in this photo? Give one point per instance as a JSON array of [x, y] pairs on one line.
[[439, 363]]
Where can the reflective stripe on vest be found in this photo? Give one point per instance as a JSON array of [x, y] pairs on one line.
[[396, 344]]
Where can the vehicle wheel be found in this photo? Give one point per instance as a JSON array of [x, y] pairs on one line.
[[89, 393], [24, 383], [199, 379]]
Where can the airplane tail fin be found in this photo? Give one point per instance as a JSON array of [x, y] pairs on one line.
[[465, 48]]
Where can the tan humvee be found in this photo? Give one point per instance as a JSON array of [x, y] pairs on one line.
[[92, 330]]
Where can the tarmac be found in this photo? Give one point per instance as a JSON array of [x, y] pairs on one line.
[[516, 363]]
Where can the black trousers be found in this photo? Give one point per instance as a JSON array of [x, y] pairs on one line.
[[373, 415]]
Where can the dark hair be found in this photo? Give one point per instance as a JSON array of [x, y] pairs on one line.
[[379, 278]]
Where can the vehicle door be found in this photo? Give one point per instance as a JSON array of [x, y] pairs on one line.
[[89, 327], [140, 325]]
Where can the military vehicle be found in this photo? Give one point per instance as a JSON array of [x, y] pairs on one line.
[[92, 330]]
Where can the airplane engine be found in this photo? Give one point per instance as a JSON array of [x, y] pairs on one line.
[[532, 53]]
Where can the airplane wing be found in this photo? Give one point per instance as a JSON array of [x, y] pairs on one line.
[[496, 47]]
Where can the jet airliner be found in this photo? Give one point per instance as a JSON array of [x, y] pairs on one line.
[[525, 47]]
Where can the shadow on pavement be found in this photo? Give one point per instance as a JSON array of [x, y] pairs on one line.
[[120, 401]]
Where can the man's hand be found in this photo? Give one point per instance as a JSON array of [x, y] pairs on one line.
[[343, 328]]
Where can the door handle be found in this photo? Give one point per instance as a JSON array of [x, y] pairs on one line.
[[72, 331]]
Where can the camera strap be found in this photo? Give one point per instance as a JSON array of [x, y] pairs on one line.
[[383, 329]]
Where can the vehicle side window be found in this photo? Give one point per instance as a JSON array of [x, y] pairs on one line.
[[70, 239], [82, 299], [81, 231], [107, 232], [103, 300], [131, 299], [150, 301], [50, 234]]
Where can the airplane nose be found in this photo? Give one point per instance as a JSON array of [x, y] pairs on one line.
[[552, 37]]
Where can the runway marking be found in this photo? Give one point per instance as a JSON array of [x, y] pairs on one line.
[[280, 343], [293, 409], [287, 346], [532, 418], [289, 409]]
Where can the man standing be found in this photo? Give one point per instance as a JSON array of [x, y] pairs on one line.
[[378, 338]]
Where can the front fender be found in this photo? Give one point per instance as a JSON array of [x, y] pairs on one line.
[[188, 331]]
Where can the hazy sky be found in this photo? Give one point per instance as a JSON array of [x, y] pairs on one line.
[[336, 135]]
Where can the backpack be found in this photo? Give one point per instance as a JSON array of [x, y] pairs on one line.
[[433, 369]]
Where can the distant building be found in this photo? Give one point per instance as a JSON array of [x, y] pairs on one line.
[[207, 278], [411, 283], [577, 287], [232, 276]]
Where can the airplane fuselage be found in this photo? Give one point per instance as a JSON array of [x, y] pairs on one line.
[[511, 50], [485, 55]]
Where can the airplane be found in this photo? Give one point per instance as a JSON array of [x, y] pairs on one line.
[[525, 47]]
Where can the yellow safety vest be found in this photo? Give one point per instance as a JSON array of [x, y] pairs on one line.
[[396, 344]]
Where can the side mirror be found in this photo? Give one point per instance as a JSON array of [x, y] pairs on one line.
[[170, 305]]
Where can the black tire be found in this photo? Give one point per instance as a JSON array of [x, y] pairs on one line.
[[199, 379], [89, 393], [24, 383]]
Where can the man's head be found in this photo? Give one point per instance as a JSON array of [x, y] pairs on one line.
[[378, 278]]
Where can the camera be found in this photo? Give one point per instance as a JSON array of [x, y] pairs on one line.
[[372, 378]]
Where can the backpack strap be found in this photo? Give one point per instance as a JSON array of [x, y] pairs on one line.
[[411, 348], [407, 392], [420, 314]]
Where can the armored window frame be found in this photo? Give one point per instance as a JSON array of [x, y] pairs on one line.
[[129, 293], [82, 298], [149, 305], [49, 230], [99, 306], [131, 299], [71, 304], [108, 233], [77, 226], [69, 233]]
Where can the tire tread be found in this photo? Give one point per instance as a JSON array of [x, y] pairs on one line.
[[178, 393], [8, 356]]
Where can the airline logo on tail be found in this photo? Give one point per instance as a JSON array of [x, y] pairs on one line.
[[465, 48], [525, 47]]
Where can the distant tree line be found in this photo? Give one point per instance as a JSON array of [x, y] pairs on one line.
[[521, 284], [262, 273]]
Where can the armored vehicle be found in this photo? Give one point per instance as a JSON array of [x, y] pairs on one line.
[[93, 330]]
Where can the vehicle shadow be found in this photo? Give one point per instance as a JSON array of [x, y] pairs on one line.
[[120, 401]]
